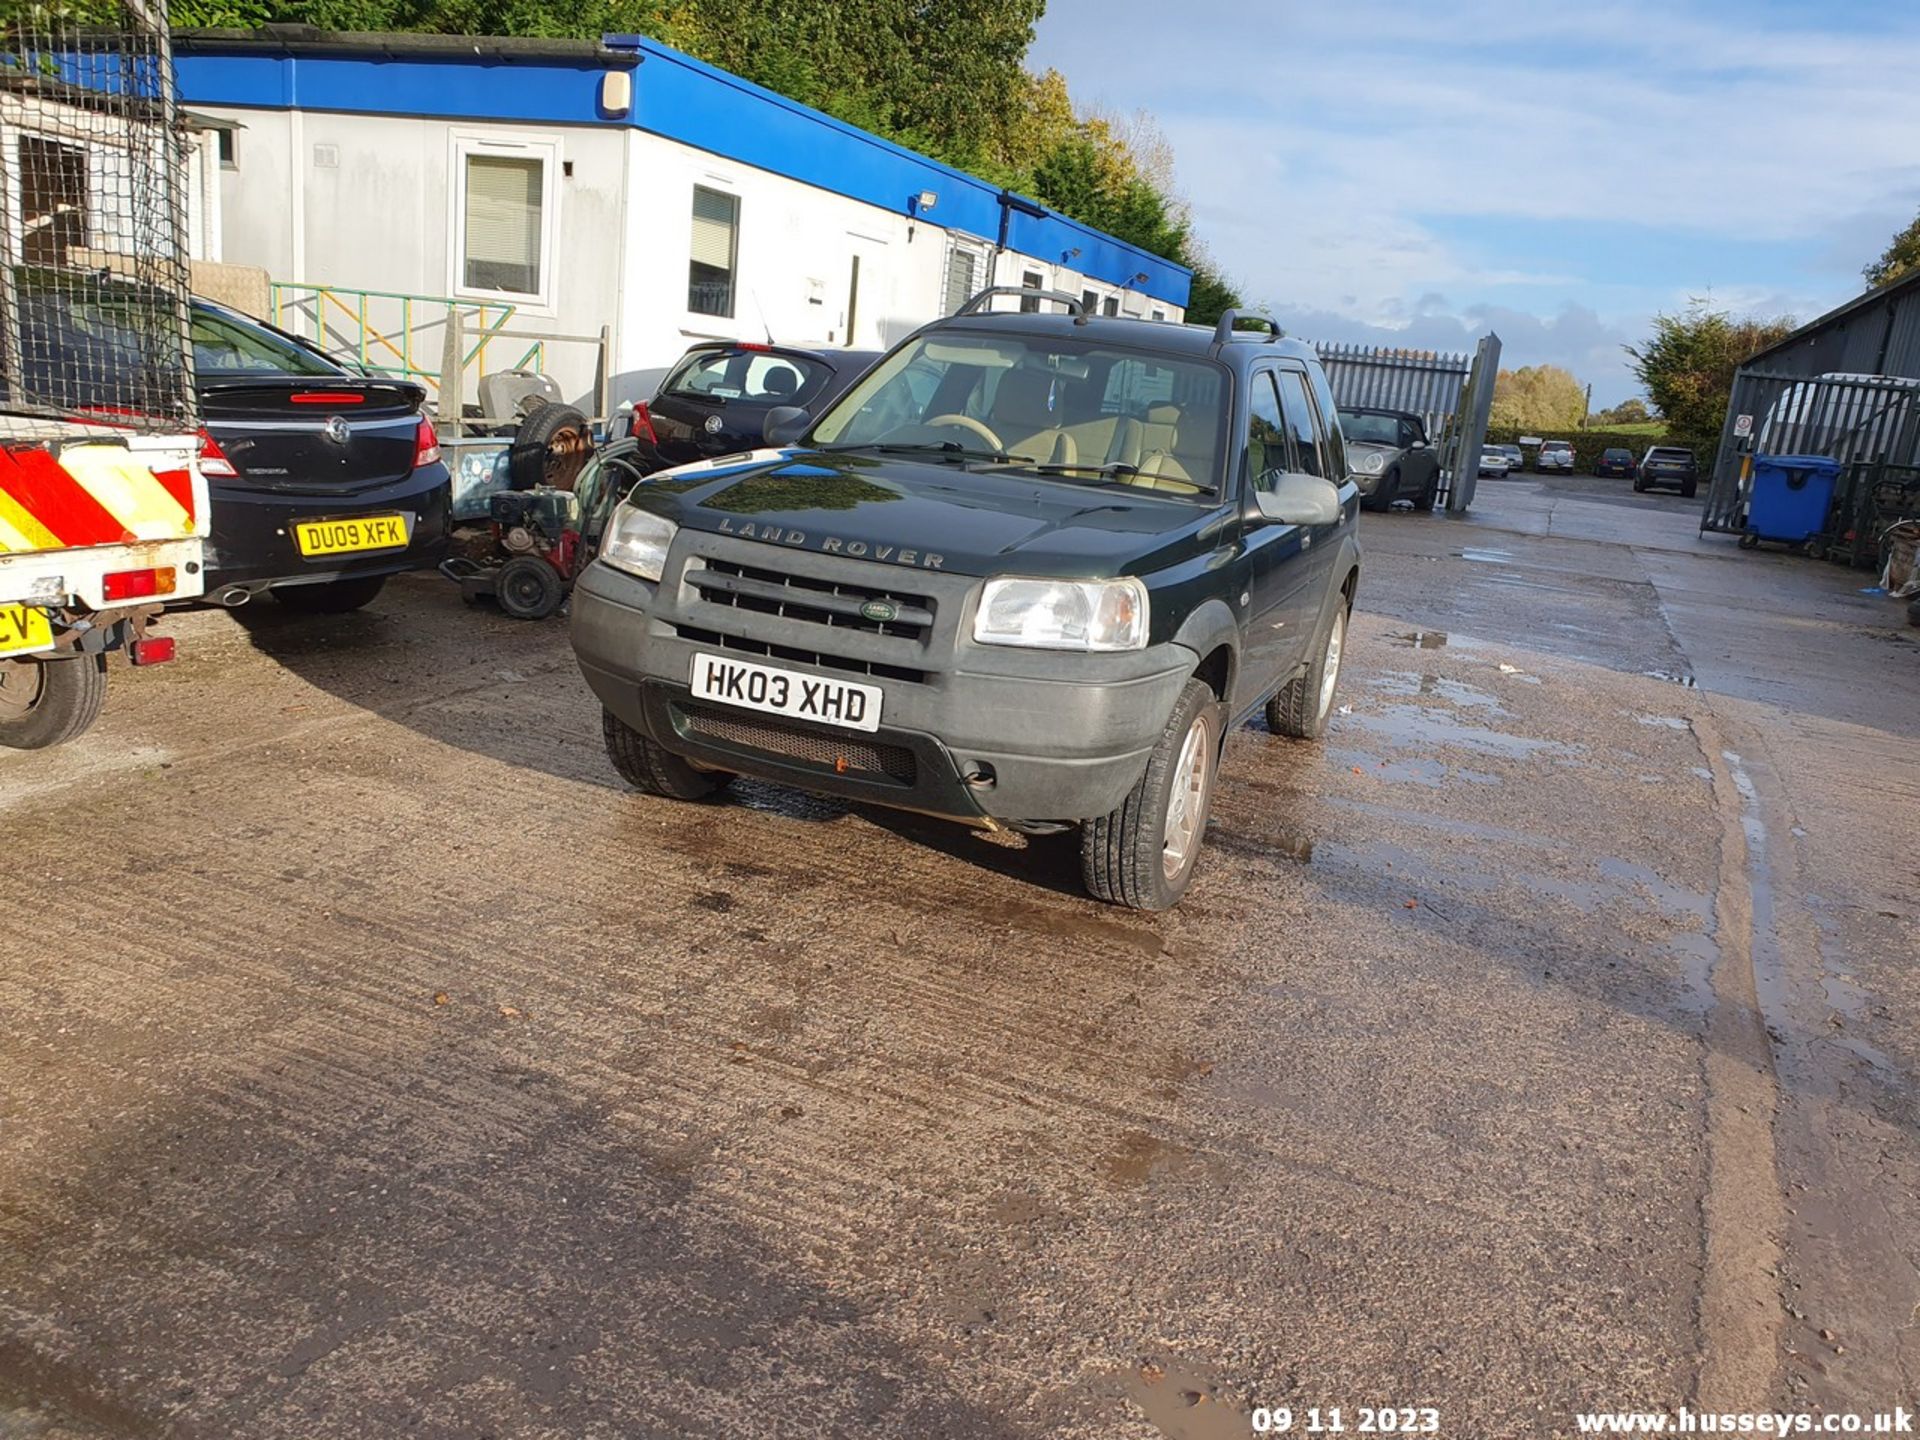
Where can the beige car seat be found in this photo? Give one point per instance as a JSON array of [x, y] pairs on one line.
[[1026, 420], [1148, 443]]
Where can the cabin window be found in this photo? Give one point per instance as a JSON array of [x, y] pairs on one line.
[[715, 252], [505, 218]]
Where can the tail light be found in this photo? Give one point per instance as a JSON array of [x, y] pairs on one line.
[[137, 584], [213, 460], [154, 650], [327, 397], [426, 445], [640, 427]]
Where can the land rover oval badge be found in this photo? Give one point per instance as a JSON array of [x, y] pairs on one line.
[[879, 611]]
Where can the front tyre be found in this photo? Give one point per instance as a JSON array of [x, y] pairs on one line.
[[649, 766], [1305, 703], [49, 702], [1142, 855]]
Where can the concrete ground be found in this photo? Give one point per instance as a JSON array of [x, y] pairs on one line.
[[1546, 1041]]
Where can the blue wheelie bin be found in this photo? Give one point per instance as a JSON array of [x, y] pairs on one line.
[[1789, 499]]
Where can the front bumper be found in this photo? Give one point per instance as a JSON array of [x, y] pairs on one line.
[[252, 544], [969, 731]]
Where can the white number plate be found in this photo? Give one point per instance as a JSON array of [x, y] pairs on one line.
[[783, 692]]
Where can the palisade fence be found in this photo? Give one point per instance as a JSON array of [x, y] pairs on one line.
[[1859, 420], [1451, 392]]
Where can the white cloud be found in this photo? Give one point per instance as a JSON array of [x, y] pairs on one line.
[[1344, 159]]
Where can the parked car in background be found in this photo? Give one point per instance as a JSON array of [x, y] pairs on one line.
[[321, 482], [716, 399], [324, 482], [1516, 458], [1668, 465], [1615, 461], [1390, 456], [1494, 462], [1555, 455]]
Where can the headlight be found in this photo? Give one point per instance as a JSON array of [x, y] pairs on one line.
[[637, 542], [1063, 614], [1371, 461]]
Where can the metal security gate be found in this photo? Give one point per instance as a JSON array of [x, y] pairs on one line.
[[1859, 420], [1452, 393]]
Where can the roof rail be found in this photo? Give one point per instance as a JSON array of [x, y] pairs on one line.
[[1225, 330], [980, 302]]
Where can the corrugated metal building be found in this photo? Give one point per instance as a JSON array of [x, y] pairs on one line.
[[1877, 333]]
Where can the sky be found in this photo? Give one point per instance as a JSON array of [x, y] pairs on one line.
[[1556, 172]]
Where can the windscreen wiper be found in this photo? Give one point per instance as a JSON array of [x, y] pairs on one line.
[[944, 449], [1115, 470]]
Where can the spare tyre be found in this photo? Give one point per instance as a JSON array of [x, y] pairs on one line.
[[551, 447]]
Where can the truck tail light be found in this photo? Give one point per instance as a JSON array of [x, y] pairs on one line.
[[213, 460], [154, 650], [136, 584], [426, 445]]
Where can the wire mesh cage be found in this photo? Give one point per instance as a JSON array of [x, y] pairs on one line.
[[94, 322]]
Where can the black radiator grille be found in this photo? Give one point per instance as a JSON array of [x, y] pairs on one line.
[[835, 604]]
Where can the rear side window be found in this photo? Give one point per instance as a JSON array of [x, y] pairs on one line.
[[756, 375], [220, 344], [1336, 445], [1302, 424]]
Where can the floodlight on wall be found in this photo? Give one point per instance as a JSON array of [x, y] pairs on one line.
[[925, 201], [616, 93], [1069, 255], [1139, 279]]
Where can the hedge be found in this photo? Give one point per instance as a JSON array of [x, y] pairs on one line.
[[1587, 444]]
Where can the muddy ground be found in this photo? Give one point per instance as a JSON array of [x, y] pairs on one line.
[[375, 1064]]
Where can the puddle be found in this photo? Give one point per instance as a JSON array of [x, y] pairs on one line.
[[1423, 771], [1411, 684], [1184, 1405], [1420, 639], [1487, 557], [1418, 727]]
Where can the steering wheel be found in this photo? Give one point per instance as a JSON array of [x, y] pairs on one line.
[[968, 423]]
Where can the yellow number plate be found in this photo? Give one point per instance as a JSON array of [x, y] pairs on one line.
[[343, 537], [23, 630]]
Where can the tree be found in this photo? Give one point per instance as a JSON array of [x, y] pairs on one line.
[[1627, 412], [1901, 256], [1687, 364], [1538, 397]]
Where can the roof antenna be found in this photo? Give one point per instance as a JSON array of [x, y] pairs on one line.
[[763, 316]]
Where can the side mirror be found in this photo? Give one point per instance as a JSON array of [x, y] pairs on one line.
[[1300, 500], [1416, 444], [784, 424]]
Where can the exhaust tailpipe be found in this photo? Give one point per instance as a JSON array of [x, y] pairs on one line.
[[233, 597]]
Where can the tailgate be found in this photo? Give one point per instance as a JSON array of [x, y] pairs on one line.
[[76, 508]]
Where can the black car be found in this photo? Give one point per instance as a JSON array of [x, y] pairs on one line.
[[1028, 573], [715, 400], [323, 482], [1615, 461], [1669, 465]]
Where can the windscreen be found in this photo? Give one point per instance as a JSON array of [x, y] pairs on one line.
[[759, 376], [1069, 409], [1370, 429]]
